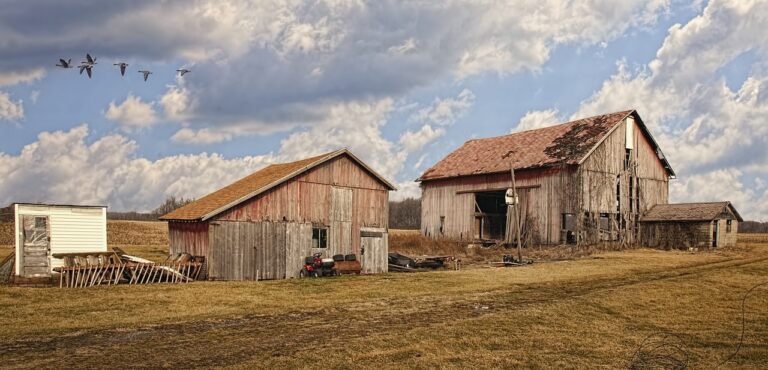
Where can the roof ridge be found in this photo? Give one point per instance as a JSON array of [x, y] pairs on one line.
[[554, 126]]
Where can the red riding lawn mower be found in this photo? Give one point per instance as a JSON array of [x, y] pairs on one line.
[[316, 266]]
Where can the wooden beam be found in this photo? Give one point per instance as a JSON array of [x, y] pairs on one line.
[[522, 187]]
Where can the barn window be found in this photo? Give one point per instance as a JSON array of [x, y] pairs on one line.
[[605, 221], [319, 237], [728, 226], [568, 220], [627, 158], [442, 224]]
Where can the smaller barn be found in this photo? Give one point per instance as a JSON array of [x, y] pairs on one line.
[[690, 225], [42, 230], [265, 224]]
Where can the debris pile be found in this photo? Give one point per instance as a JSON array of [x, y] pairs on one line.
[[509, 260], [89, 269], [403, 263]]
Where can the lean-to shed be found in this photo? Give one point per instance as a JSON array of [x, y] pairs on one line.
[[583, 181], [690, 225], [264, 225], [45, 229]]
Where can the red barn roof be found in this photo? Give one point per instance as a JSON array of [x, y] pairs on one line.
[[566, 143], [255, 184]]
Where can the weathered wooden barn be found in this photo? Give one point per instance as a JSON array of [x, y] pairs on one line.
[[690, 225], [583, 181], [264, 225]]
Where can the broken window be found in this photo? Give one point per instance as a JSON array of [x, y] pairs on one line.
[[568, 221], [728, 226], [319, 237], [605, 221], [627, 159], [442, 224]]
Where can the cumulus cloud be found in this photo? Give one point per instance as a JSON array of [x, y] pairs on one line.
[[14, 77], [715, 137], [107, 172], [537, 119], [10, 110], [132, 113], [282, 62]]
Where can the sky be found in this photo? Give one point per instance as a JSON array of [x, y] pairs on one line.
[[399, 83]]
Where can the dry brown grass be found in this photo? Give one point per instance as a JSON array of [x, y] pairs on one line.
[[585, 313]]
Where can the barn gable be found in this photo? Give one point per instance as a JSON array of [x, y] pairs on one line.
[[258, 183], [569, 143]]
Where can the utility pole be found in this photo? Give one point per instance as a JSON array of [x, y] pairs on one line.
[[515, 204]]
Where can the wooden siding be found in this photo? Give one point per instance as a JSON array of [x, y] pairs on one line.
[[188, 237], [257, 250], [276, 250], [308, 199], [585, 191], [543, 200], [676, 235], [375, 259], [339, 195]]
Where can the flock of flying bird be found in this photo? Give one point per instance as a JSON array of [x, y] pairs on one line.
[[89, 62]]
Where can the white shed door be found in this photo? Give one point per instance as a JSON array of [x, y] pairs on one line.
[[36, 246]]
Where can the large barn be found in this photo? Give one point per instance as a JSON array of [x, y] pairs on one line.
[[583, 181], [264, 225]]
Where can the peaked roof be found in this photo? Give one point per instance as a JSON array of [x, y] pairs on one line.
[[566, 143], [688, 212], [255, 184]]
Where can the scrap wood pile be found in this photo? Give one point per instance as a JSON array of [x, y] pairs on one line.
[[509, 260], [402, 263], [88, 269]]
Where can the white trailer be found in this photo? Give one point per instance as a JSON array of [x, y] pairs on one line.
[[45, 229]]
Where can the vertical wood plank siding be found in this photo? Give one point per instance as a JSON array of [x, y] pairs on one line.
[[188, 237], [589, 188], [270, 235]]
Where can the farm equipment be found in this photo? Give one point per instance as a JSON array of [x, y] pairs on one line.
[[316, 266]]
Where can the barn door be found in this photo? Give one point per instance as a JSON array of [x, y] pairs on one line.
[[373, 249], [36, 246], [341, 221]]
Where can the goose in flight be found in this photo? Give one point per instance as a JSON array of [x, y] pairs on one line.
[[89, 60], [87, 68], [146, 74], [65, 63], [122, 67], [183, 71]]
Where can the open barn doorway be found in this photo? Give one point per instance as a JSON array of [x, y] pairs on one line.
[[490, 218]]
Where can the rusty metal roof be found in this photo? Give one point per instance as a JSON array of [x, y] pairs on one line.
[[688, 212], [566, 143], [255, 184]]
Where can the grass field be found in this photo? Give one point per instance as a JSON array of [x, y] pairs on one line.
[[592, 312]]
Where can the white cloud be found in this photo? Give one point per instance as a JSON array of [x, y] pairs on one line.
[[445, 112], [176, 103], [132, 113], [9, 78], [10, 110], [203, 136], [34, 95], [537, 119], [106, 172], [407, 46], [412, 141], [715, 138]]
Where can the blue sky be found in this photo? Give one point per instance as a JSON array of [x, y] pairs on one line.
[[401, 84]]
